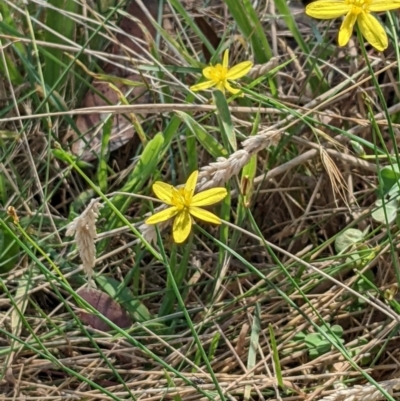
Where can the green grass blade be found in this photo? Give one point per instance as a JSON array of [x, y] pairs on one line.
[[58, 22], [248, 22], [207, 141], [225, 120]]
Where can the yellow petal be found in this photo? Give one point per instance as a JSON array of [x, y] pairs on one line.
[[208, 72], [322, 9], [163, 191], [202, 86], [204, 215], [190, 185], [162, 216], [384, 5], [221, 86], [373, 31], [182, 226], [239, 71], [225, 60], [346, 29], [229, 88], [209, 197]]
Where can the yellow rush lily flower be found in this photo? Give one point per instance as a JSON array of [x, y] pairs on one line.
[[219, 75], [184, 205], [355, 11]]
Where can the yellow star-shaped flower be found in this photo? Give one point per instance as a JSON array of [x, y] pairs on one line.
[[355, 11], [219, 75], [184, 204]]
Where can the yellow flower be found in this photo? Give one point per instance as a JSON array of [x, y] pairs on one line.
[[185, 205], [220, 75], [355, 10]]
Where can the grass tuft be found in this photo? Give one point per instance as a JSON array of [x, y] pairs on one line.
[[293, 296]]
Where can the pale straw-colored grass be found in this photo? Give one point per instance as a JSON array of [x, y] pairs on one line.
[[364, 393], [83, 228]]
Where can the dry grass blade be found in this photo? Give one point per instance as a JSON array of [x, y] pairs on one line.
[[264, 306], [364, 393], [337, 181]]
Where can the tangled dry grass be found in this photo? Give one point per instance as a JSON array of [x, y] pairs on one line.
[[251, 302]]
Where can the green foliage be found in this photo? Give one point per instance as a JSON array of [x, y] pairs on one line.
[[249, 24], [207, 141], [65, 156], [351, 244], [191, 301], [362, 286], [61, 29], [317, 344], [102, 170], [9, 248], [137, 178], [389, 195], [225, 120], [358, 149]]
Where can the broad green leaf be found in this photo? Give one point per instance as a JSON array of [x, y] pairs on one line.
[[390, 176], [347, 239], [391, 211], [337, 330], [323, 347], [312, 340], [209, 143], [394, 191], [300, 336]]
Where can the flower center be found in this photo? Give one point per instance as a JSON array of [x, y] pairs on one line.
[[359, 6], [218, 73], [180, 198]]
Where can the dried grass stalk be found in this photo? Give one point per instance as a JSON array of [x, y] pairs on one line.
[[338, 183], [260, 69], [216, 174], [364, 393], [84, 229]]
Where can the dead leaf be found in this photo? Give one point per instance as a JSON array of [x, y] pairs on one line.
[[110, 309]]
